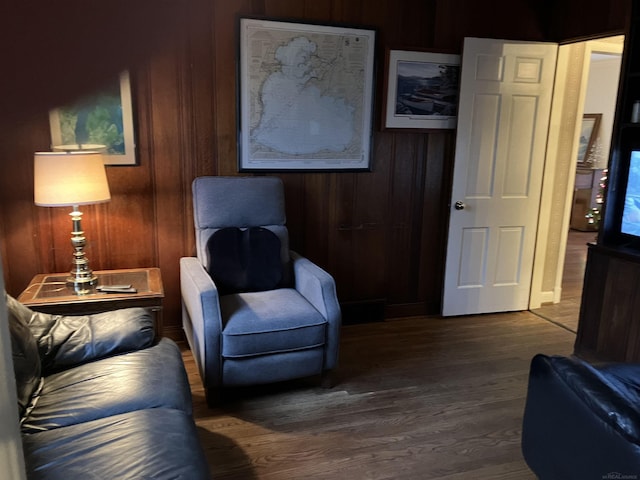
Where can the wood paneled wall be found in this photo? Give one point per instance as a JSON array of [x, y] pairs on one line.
[[381, 234]]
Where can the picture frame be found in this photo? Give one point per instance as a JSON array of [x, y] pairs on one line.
[[305, 96], [588, 135], [422, 89], [101, 120]]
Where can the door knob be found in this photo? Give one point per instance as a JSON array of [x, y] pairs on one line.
[[459, 205]]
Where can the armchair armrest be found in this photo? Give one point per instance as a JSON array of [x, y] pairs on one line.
[[201, 318], [319, 288], [66, 340]]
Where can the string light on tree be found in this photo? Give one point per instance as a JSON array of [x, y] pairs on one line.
[[595, 214]]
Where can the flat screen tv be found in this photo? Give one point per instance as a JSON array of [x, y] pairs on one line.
[[630, 222]]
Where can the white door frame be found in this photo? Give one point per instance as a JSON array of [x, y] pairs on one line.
[[564, 107]]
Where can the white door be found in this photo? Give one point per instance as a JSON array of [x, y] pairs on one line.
[[503, 118]]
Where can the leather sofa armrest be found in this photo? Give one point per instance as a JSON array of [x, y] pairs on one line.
[[580, 420], [68, 340]]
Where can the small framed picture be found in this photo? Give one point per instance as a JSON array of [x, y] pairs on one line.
[[422, 89], [101, 120], [588, 135]]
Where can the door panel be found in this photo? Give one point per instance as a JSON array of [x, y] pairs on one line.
[[482, 148], [518, 174], [510, 247], [472, 265], [503, 118]]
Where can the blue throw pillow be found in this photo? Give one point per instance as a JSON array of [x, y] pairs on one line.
[[245, 260]]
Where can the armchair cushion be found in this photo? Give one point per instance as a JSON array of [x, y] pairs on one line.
[[26, 361], [244, 260], [271, 322]]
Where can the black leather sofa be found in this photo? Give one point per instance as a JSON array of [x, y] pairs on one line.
[[582, 421], [100, 398]]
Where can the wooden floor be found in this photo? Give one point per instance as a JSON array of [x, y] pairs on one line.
[[416, 398], [566, 312]]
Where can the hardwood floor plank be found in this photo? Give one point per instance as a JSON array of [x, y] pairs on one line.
[[416, 398]]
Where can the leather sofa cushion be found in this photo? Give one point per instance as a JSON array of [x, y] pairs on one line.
[[65, 341], [244, 260], [148, 378], [261, 323], [157, 443], [26, 360]]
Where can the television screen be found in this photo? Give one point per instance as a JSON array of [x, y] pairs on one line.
[[631, 211]]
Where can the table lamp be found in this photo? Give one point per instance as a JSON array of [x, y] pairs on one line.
[[72, 178]]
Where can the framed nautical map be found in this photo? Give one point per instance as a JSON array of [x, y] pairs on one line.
[[305, 96], [422, 89]]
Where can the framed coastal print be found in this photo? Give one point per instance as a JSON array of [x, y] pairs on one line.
[[421, 89], [103, 119], [305, 96]]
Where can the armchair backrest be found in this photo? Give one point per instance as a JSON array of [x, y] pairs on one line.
[[242, 202]]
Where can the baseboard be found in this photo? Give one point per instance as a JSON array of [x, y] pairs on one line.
[[548, 297], [378, 311], [363, 312], [175, 333], [408, 310]]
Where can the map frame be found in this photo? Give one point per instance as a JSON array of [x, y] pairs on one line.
[[254, 155]]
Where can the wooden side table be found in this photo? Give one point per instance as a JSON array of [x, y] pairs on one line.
[[49, 293]]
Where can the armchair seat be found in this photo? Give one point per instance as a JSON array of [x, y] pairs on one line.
[[276, 321]]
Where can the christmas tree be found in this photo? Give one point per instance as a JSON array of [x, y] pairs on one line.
[[595, 213]]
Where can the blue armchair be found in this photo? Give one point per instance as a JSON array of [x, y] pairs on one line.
[[253, 311]]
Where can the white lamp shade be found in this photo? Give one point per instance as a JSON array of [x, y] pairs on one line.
[[69, 178]]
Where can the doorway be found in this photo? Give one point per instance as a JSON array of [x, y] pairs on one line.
[[558, 300]]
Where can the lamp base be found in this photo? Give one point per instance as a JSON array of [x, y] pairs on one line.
[[82, 282], [81, 277]]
